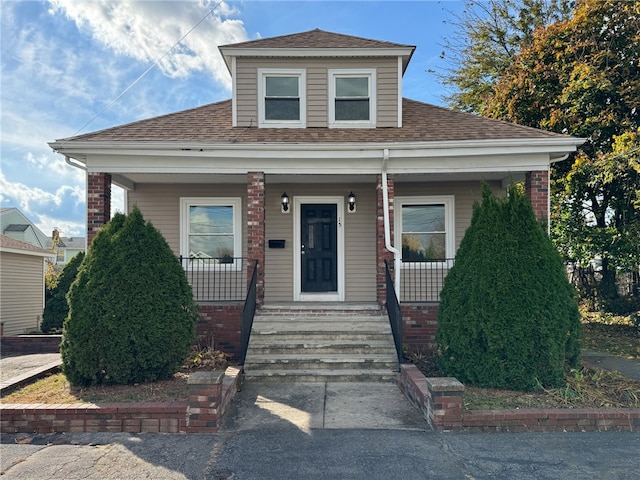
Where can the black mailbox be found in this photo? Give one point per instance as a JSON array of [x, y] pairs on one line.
[[276, 243]]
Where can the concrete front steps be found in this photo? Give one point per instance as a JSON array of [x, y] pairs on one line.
[[321, 343]]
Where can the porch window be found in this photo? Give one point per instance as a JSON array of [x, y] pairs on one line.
[[281, 98], [211, 229], [352, 100], [425, 226]]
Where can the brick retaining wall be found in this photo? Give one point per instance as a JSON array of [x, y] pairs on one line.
[[165, 417], [222, 322], [440, 400], [30, 344]]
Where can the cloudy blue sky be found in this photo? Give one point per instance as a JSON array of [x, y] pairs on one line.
[[64, 62]]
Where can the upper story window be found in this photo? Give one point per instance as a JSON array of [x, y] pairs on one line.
[[352, 98], [281, 98], [426, 226], [211, 229]]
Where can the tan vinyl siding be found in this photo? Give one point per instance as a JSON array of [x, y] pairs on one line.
[[160, 204], [360, 241], [465, 194], [423, 281], [21, 292], [317, 89]]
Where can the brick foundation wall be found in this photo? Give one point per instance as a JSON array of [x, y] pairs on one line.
[[162, 417], [222, 322], [30, 344], [441, 402], [419, 325]]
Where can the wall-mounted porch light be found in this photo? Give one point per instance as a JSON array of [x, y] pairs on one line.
[[285, 202], [351, 200]]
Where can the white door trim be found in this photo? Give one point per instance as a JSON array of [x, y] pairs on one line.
[[298, 295]]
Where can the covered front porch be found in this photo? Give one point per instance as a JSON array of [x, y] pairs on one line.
[[277, 242]]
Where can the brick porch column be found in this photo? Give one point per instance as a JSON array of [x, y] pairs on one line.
[[536, 185], [382, 253], [98, 203], [256, 229]]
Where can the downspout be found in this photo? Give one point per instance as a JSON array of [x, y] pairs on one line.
[[387, 227], [74, 164]]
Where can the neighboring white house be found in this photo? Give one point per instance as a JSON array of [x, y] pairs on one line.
[[22, 269]]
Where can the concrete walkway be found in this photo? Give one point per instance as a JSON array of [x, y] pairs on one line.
[[21, 369], [606, 361], [333, 405]]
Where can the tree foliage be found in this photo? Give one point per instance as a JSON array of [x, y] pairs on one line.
[[508, 317], [56, 307], [582, 77], [489, 36], [131, 311]]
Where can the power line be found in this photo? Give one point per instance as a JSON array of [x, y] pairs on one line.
[[141, 76]]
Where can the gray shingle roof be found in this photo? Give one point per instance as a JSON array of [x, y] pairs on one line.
[[212, 124], [316, 39]]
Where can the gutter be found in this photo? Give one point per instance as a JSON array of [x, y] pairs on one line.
[[387, 228]]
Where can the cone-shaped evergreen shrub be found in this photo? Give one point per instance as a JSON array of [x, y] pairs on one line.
[[56, 308], [508, 317], [131, 311]]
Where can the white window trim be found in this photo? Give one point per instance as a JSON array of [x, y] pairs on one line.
[[449, 218], [302, 91], [235, 202], [370, 73]]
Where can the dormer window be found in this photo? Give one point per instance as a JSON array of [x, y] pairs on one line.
[[352, 99], [281, 98]]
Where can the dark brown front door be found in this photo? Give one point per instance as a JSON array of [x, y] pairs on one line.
[[319, 249]]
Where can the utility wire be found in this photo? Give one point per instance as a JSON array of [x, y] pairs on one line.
[[141, 76]]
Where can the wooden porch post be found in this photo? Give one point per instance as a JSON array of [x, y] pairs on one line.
[[98, 203], [256, 229], [382, 253]]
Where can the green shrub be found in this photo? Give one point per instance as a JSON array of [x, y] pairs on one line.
[[56, 308], [131, 311], [508, 317]]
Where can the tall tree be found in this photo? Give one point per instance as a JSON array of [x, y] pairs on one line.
[[582, 77], [488, 37]]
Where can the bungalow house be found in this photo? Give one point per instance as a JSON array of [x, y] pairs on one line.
[[318, 173]]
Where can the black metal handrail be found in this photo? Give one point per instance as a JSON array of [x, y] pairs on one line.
[[216, 279], [248, 312], [423, 281], [394, 312]]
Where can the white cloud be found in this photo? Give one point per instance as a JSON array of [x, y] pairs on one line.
[[146, 30], [45, 208]]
